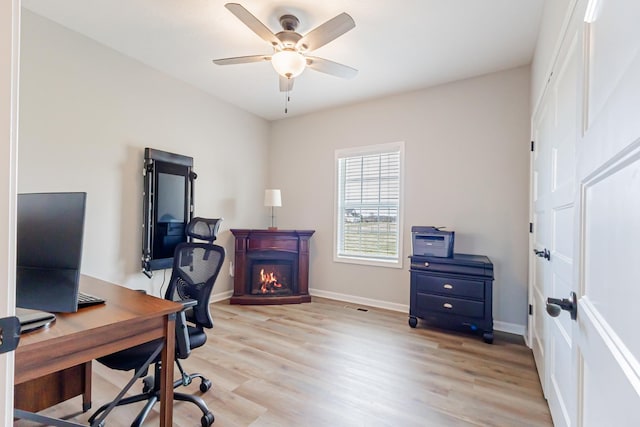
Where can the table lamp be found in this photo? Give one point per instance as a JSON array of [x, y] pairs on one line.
[[272, 199]]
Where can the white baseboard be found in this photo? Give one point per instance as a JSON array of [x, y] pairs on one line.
[[511, 328], [221, 296], [360, 300]]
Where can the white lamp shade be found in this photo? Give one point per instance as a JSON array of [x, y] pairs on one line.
[[272, 198], [288, 63]]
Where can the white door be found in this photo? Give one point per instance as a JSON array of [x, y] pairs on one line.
[[540, 193], [586, 204], [554, 191], [9, 54], [561, 391], [608, 165]]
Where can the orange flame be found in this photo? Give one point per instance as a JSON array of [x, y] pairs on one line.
[[268, 282]]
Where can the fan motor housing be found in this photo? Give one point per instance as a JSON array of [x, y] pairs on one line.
[[288, 38]]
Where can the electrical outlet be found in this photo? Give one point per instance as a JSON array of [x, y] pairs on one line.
[[231, 268]]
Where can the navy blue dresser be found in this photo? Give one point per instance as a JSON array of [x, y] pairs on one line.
[[454, 293]]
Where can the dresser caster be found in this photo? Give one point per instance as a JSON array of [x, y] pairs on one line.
[[413, 321], [488, 337]]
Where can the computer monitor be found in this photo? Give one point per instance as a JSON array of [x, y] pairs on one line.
[[50, 228]]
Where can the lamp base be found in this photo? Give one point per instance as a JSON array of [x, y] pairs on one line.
[[272, 228]]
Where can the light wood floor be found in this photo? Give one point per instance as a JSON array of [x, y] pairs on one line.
[[329, 363]]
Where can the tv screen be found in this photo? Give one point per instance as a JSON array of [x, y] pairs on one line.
[[170, 210], [168, 187]]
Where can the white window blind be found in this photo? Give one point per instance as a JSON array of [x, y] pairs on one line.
[[368, 201]]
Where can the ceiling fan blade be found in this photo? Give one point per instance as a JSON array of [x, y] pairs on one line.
[[242, 59], [330, 67], [286, 85], [253, 23], [329, 31]]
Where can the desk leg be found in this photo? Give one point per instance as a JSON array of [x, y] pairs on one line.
[[86, 396], [166, 382]]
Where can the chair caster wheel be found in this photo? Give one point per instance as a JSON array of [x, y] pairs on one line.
[[205, 386], [147, 384], [207, 419], [413, 321]]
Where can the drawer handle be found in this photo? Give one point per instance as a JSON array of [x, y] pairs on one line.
[[447, 305], [426, 264], [447, 286]]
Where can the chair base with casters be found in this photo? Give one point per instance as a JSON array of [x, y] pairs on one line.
[[151, 393]]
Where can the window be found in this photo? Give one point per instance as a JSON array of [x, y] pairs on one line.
[[368, 205]]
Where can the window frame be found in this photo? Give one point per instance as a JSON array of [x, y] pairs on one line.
[[343, 153]]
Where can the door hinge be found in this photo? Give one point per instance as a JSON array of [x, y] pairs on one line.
[[533, 145], [530, 309], [530, 227]]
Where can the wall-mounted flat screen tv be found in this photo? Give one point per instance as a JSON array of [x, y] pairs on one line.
[[167, 206]]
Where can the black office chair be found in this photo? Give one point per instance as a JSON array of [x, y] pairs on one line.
[[195, 268]]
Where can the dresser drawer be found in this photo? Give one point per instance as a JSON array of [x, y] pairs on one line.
[[470, 265], [448, 286], [454, 306]]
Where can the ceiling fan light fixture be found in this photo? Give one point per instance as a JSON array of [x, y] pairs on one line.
[[288, 63]]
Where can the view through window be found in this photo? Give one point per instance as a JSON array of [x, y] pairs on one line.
[[368, 220]]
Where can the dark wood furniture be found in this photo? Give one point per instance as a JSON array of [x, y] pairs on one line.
[[453, 293], [289, 244], [54, 364]]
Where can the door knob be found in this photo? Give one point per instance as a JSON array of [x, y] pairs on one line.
[[555, 306], [546, 254]]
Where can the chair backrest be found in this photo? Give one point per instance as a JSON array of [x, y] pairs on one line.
[[195, 268]]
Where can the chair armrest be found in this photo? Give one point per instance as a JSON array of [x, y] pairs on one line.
[[188, 303], [183, 346]]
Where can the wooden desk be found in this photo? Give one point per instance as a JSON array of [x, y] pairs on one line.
[[70, 344]]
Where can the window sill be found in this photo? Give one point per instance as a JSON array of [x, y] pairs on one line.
[[368, 261]]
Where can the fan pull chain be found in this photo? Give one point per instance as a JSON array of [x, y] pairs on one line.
[[287, 99]]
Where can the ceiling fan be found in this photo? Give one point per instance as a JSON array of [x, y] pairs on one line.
[[289, 57]]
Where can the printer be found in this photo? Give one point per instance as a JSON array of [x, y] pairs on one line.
[[431, 241]]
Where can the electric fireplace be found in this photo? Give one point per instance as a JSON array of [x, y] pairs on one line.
[[271, 266]]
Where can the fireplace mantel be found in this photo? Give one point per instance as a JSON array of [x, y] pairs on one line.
[[252, 244]]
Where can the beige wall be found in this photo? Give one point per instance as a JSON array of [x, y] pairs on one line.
[[467, 168], [86, 115]]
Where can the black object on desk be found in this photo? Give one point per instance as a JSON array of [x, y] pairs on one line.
[[453, 293], [33, 319], [49, 235]]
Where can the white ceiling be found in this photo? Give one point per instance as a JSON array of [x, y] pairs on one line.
[[397, 45]]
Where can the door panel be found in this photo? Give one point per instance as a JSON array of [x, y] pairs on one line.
[[541, 187], [614, 26], [555, 216], [609, 172], [611, 257], [610, 389], [565, 90]]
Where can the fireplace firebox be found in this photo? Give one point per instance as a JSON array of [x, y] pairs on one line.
[[271, 266]]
